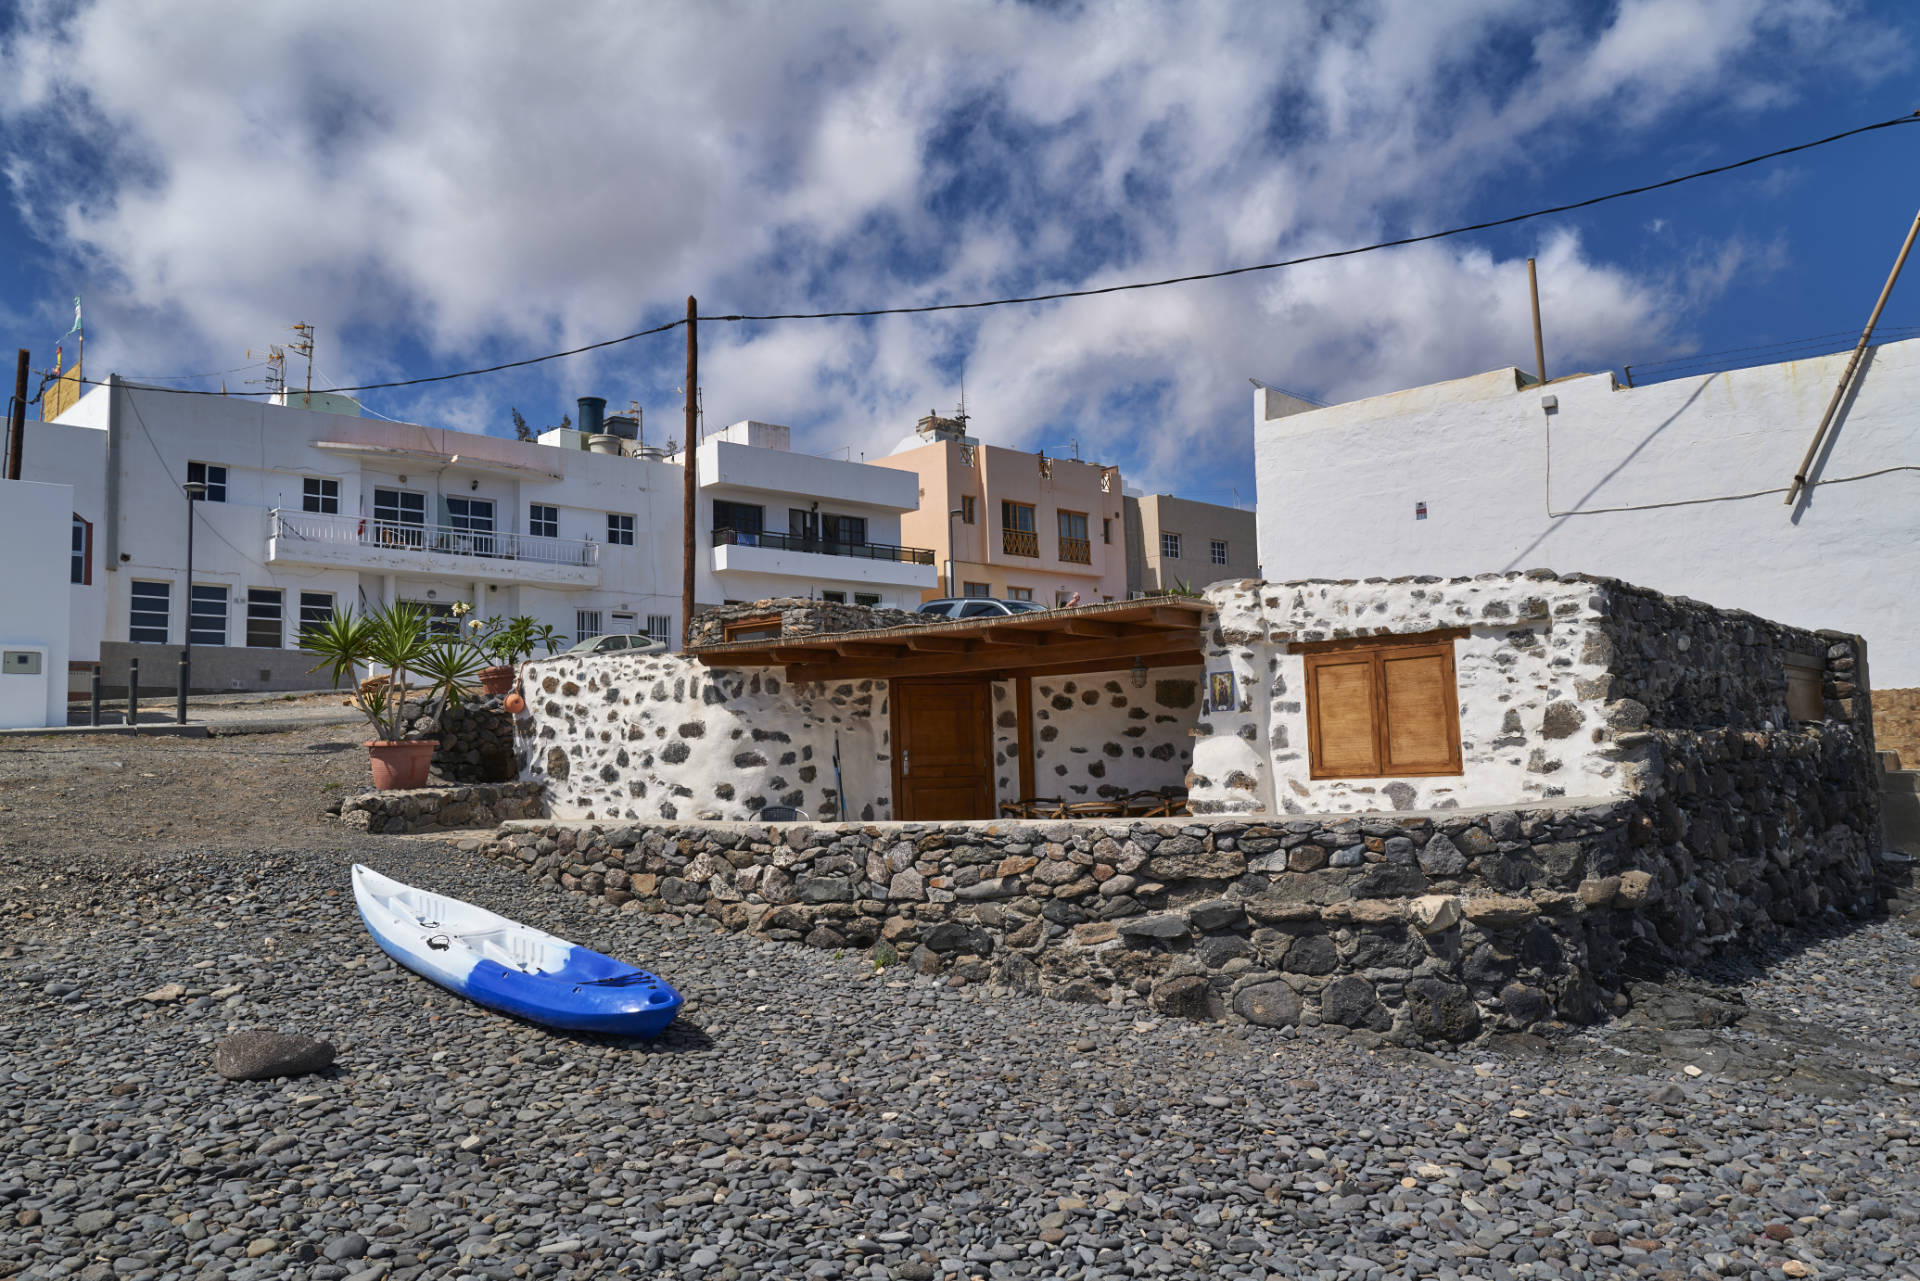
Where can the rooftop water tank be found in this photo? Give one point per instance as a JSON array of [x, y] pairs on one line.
[[593, 410]]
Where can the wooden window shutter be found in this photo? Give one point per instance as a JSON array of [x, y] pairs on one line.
[[1381, 708], [1342, 737]]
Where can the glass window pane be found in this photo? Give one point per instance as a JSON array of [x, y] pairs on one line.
[[264, 610], [209, 619], [150, 607]]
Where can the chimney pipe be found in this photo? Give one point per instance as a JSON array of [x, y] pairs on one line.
[[592, 419]]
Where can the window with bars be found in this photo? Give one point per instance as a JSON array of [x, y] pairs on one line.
[[149, 611], [213, 476], [266, 608], [320, 494], [543, 520], [1217, 551], [1170, 546], [1382, 708], [586, 625], [870, 599], [209, 614], [834, 598], [660, 627], [619, 529]]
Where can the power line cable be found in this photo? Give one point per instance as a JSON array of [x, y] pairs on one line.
[[1121, 288], [1882, 333]]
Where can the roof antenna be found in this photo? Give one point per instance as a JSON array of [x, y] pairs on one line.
[[960, 410]]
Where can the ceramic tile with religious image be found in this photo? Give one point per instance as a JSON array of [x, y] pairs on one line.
[[1220, 691]]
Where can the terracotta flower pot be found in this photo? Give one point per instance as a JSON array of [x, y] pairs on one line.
[[400, 765], [496, 680]]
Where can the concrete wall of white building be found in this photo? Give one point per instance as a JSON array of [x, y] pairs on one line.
[[1678, 486], [130, 448], [34, 521]]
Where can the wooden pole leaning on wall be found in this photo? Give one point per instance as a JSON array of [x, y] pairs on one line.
[[692, 539], [1539, 345], [17, 418], [1853, 366]]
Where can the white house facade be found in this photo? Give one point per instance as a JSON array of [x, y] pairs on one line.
[[772, 522], [35, 621], [307, 512], [1678, 485]]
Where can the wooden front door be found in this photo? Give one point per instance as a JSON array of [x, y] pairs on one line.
[[942, 750]]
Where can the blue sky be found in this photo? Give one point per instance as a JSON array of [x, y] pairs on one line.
[[438, 186]]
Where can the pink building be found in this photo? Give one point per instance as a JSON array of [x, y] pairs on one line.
[[1010, 524]]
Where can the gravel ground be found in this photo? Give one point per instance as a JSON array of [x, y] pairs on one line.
[[807, 1117]]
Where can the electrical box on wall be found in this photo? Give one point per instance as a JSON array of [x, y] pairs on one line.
[[1419, 511], [23, 687], [21, 662]]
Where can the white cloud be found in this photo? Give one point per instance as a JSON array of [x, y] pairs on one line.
[[479, 180]]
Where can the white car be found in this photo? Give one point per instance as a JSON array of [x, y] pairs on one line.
[[977, 607], [619, 644]]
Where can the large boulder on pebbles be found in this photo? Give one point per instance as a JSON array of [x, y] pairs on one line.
[[1186, 997], [260, 1055], [1268, 1005], [1442, 1010]]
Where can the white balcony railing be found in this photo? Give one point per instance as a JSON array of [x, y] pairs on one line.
[[446, 540]]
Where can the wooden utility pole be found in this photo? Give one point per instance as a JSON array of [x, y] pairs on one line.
[[17, 418], [692, 468], [1800, 481], [1539, 346]]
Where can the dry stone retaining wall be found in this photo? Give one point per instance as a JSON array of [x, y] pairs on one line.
[[1896, 724], [475, 739], [799, 616], [434, 809]]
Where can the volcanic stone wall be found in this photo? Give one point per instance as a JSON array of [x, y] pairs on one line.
[[1096, 737], [799, 616], [432, 809], [1425, 926], [475, 739]]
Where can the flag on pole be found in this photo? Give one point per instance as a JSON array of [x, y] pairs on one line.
[[76, 318]]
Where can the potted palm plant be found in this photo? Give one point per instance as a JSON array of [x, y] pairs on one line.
[[398, 638]]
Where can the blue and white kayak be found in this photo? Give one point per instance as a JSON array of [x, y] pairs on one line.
[[511, 967]]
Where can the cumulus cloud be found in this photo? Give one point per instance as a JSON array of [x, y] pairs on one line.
[[444, 184]]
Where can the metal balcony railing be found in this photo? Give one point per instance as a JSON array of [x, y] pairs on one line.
[[1076, 551], [1019, 542], [370, 531], [822, 546]]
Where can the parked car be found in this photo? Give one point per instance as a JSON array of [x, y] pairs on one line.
[[978, 607], [618, 643]]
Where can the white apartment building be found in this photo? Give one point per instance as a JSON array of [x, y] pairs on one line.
[[310, 512], [775, 523], [1677, 485]]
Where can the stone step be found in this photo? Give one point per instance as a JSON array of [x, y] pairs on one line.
[[1900, 810], [1889, 761]]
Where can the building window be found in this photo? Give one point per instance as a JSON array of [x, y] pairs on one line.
[[586, 625], [850, 531], [1217, 551], [834, 598], [741, 518], [1018, 536], [1063, 598], [1074, 547], [1019, 593], [981, 590], [81, 571], [619, 530], [320, 494], [543, 521], [399, 518], [316, 609], [1382, 708], [660, 628], [473, 519], [213, 476], [1106, 529], [1170, 546], [265, 606], [440, 617], [750, 629], [968, 511], [149, 611], [209, 621], [870, 599]]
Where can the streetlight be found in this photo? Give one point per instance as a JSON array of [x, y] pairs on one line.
[[952, 538], [194, 489]]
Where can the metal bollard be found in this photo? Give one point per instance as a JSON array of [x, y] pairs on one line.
[[133, 691], [93, 703], [180, 712]]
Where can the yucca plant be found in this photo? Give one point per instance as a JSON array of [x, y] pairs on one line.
[[399, 638]]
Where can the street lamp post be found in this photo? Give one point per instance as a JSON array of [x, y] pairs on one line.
[[194, 489], [951, 540]]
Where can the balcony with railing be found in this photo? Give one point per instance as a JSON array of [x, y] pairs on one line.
[[391, 546], [1019, 542], [818, 558], [1076, 551]]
